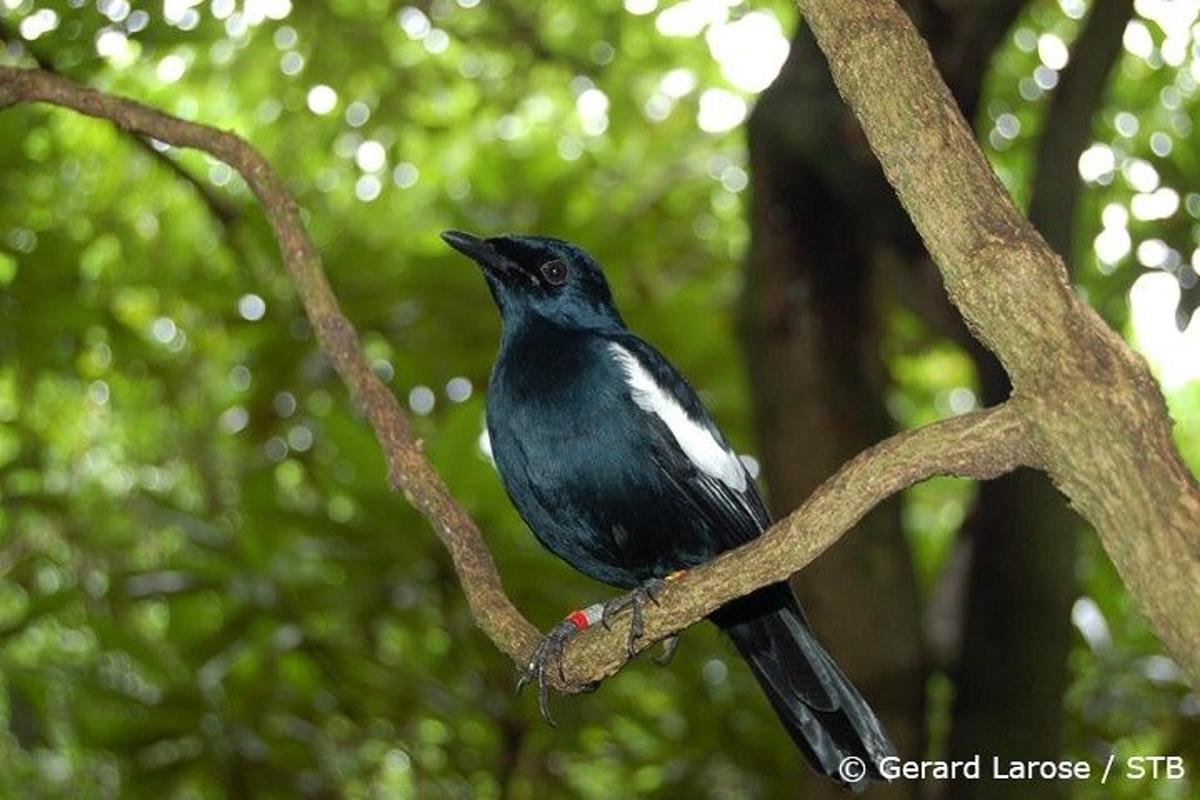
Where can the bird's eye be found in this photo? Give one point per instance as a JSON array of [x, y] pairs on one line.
[[555, 272]]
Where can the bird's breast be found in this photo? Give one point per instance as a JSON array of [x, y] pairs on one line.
[[553, 398], [556, 411]]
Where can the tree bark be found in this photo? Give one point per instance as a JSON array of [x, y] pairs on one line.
[[1097, 419]]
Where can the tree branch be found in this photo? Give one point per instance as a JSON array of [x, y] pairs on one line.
[[980, 445], [408, 469], [222, 210], [1016, 628], [1095, 417]]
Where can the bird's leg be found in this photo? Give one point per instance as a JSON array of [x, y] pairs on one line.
[[550, 650], [636, 601]]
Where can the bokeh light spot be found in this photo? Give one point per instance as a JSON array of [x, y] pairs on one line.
[[421, 400], [720, 111], [357, 114], [592, 107], [367, 188], [370, 156], [251, 307], [751, 50], [1052, 51], [38, 24], [291, 63], [458, 389], [1097, 163], [321, 99], [171, 68], [405, 175]]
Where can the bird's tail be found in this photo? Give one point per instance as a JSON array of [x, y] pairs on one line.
[[825, 715]]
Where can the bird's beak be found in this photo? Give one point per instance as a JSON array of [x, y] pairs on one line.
[[480, 251]]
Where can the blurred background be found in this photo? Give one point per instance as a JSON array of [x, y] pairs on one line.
[[207, 589]]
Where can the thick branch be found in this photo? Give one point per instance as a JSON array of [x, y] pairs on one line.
[[1012, 670], [980, 445], [1095, 417]]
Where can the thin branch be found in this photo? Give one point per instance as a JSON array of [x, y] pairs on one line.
[[408, 469], [980, 445], [222, 210]]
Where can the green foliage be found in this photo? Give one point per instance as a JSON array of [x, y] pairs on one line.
[[206, 587], [1141, 210]]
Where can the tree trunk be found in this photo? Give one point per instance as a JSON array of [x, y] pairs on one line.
[[1096, 419]]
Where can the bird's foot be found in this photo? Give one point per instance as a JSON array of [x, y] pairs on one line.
[[636, 601], [549, 652]]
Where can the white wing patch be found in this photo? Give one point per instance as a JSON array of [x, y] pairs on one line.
[[697, 442]]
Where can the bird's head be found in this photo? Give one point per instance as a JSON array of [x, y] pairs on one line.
[[538, 276]]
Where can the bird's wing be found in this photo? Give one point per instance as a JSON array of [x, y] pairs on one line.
[[686, 445]]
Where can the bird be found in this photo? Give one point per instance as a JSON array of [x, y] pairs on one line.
[[615, 465]]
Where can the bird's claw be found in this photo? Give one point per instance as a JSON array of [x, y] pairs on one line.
[[636, 601], [550, 649], [670, 645]]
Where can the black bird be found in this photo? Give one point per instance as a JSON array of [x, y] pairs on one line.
[[611, 459]]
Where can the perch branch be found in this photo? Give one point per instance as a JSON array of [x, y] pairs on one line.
[[980, 445]]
